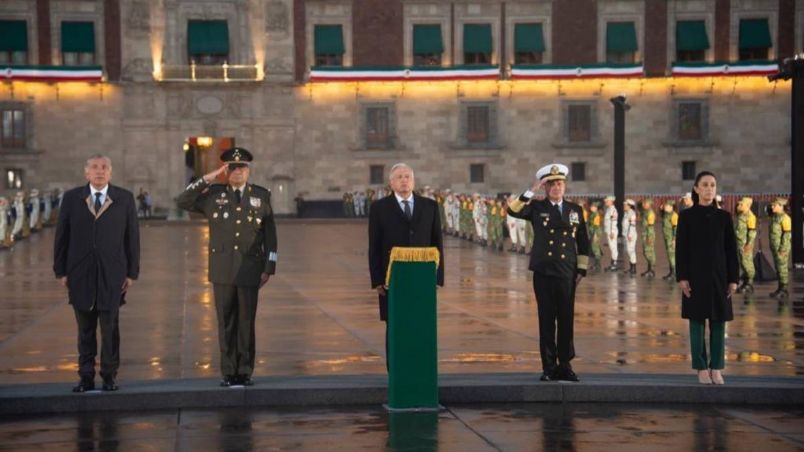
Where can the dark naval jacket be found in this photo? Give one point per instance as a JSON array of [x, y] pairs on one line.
[[560, 242], [242, 237]]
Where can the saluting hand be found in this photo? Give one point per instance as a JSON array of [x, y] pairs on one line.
[[210, 177]]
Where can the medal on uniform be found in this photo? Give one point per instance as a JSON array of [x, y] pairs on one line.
[[259, 220], [255, 202], [223, 195], [225, 214], [215, 215], [250, 218], [573, 218]]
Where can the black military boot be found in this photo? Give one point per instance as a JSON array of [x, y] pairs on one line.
[[741, 287], [776, 292], [632, 269], [650, 273], [645, 273], [783, 293], [668, 276], [748, 288], [613, 267]]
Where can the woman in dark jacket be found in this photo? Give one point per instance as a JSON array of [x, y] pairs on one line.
[[707, 272]]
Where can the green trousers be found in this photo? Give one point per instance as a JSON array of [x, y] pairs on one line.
[[717, 346]]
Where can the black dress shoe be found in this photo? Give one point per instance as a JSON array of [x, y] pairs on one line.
[[228, 380], [245, 380], [85, 385], [109, 385], [546, 377], [568, 375]]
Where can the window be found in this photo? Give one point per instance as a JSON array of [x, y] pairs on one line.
[[14, 179], [427, 45], [376, 174], [476, 173], [208, 42], [377, 127], [688, 170], [477, 44], [12, 128], [13, 42], [77, 43], [328, 43], [755, 39], [689, 121], [621, 43], [528, 44], [578, 171], [579, 123], [691, 41], [477, 124]]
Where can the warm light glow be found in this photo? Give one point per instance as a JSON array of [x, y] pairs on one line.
[[60, 91], [157, 38], [205, 141], [632, 88]]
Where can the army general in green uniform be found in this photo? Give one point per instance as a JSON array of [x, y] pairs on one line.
[[242, 256]]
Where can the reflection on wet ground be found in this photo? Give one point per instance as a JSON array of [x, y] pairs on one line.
[[577, 427], [318, 315]]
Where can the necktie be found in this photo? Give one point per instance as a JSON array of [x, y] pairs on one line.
[[237, 196], [408, 213], [97, 202]]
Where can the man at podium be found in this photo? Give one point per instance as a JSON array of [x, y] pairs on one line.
[[402, 218]]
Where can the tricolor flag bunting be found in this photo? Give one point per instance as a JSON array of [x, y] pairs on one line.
[[401, 74], [52, 73], [721, 69], [549, 72]]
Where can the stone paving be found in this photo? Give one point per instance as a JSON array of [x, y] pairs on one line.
[[317, 315], [464, 428]]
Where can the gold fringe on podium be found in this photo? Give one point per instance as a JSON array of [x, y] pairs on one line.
[[410, 254]]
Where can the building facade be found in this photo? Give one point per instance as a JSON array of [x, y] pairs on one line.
[[328, 94]]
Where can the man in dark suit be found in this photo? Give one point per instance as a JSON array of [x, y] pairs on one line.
[[558, 260], [401, 219], [97, 257], [242, 256]]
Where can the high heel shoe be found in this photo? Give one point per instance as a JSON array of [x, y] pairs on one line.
[[704, 378], [717, 377]]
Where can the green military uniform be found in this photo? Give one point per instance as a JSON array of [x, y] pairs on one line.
[[442, 211], [648, 222], [669, 225], [467, 225], [745, 229], [781, 234], [348, 205], [242, 246], [594, 227], [494, 225], [529, 235]]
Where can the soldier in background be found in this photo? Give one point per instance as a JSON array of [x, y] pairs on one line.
[[648, 219], [745, 229], [781, 234], [513, 229], [611, 230], [629, 224], [594, 227], [4, 229], [669, 226], [18, 212]]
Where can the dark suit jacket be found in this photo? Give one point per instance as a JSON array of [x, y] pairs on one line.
[[388, 227], [97, 253]]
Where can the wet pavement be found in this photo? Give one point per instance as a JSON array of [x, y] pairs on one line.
[[318, 316], [465, 428]]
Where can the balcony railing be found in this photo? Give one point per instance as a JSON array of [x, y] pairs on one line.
[[208, 73]]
